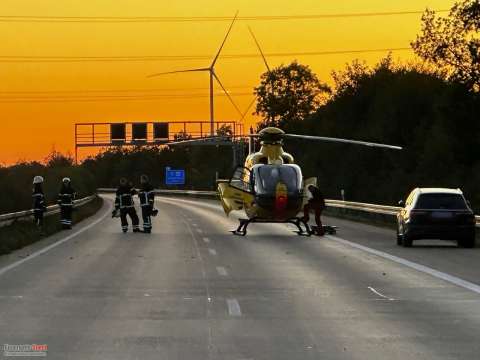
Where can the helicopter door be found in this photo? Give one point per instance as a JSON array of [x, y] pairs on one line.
[[237, 191], [306, 184]]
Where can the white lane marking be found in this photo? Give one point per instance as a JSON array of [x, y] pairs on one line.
[[206, 240], [207, 290], [195, 225], [54, 245], [422, 268], [380, 294], [199, 231], [234, 307], [212, 251], [222, 271]]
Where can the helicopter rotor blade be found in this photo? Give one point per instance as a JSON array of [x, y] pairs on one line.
[[201, 140], [340, 140], [178, 71]]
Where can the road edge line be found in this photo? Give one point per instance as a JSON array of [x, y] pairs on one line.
[[413, 265], [54, 245]]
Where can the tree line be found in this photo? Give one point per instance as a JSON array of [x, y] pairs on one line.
[[431, 108]]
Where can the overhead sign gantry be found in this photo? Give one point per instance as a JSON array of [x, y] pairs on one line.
[[148, 133]]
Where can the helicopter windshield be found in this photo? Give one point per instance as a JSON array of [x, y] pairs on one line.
[[266, 178]]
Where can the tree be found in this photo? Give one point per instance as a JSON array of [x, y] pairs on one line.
[[287, 94], [348, 80], [452, 43], [58, 160], [182, 135], [225, 130]]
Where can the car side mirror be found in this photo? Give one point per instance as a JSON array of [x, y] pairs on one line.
[[401, 203]]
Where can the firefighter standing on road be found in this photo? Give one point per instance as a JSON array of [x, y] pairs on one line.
[[65, 200], [124, 203], [316, 203], [39, 203], [147, 200]]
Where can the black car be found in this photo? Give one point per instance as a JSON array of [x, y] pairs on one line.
[[436, 213]]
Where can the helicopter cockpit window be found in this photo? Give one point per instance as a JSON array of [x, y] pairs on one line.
[[268, 176], [241, 179]]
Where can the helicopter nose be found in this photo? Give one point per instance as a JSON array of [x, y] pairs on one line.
[[281, 198]]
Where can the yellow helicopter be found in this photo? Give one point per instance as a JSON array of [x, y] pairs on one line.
[[270, 187]]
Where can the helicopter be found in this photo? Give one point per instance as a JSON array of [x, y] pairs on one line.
[[270, 187]]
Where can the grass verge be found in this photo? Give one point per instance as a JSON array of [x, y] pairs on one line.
[[23, 232]]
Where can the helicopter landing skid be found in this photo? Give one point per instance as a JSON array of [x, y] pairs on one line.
[[241, 230]]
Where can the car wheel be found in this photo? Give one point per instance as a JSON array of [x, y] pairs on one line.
[[468, 242], [407, 241]]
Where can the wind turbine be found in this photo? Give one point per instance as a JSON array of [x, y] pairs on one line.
[[213, 75]]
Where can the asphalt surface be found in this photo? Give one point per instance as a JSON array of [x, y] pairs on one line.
[[192, 290]]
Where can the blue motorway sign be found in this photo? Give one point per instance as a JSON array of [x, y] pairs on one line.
[[174, 176]]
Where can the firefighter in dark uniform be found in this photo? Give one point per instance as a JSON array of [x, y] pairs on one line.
[[65, 200], [39, 203], [316, 203], [124, 203], [147, 200]]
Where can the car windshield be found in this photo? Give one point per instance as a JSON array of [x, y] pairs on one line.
[[441, 201], [270, 175]]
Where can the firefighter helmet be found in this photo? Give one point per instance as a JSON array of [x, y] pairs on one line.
[[38, 179]]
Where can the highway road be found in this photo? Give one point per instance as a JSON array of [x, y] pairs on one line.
[[192, 290]]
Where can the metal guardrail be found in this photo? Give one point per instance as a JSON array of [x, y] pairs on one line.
[[350, 205], [372, 208], [193, 193], [6, 219]]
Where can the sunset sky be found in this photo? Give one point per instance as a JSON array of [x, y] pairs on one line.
[[36, 117]]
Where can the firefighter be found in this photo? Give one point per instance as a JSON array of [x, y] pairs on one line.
[[316, 203], [65, 200], [124, 203], [147, 200], [39, 203]]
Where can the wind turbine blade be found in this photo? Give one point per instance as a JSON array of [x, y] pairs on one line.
[[340, 140], [259, 48], [226, 93], [223, 42], [178, 71], [248, 108]]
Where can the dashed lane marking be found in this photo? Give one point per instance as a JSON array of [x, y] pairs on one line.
[[206, 240], [222, 271], [234, 307], [212, 251]]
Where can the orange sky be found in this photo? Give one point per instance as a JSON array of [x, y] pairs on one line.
[[29, 130]]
